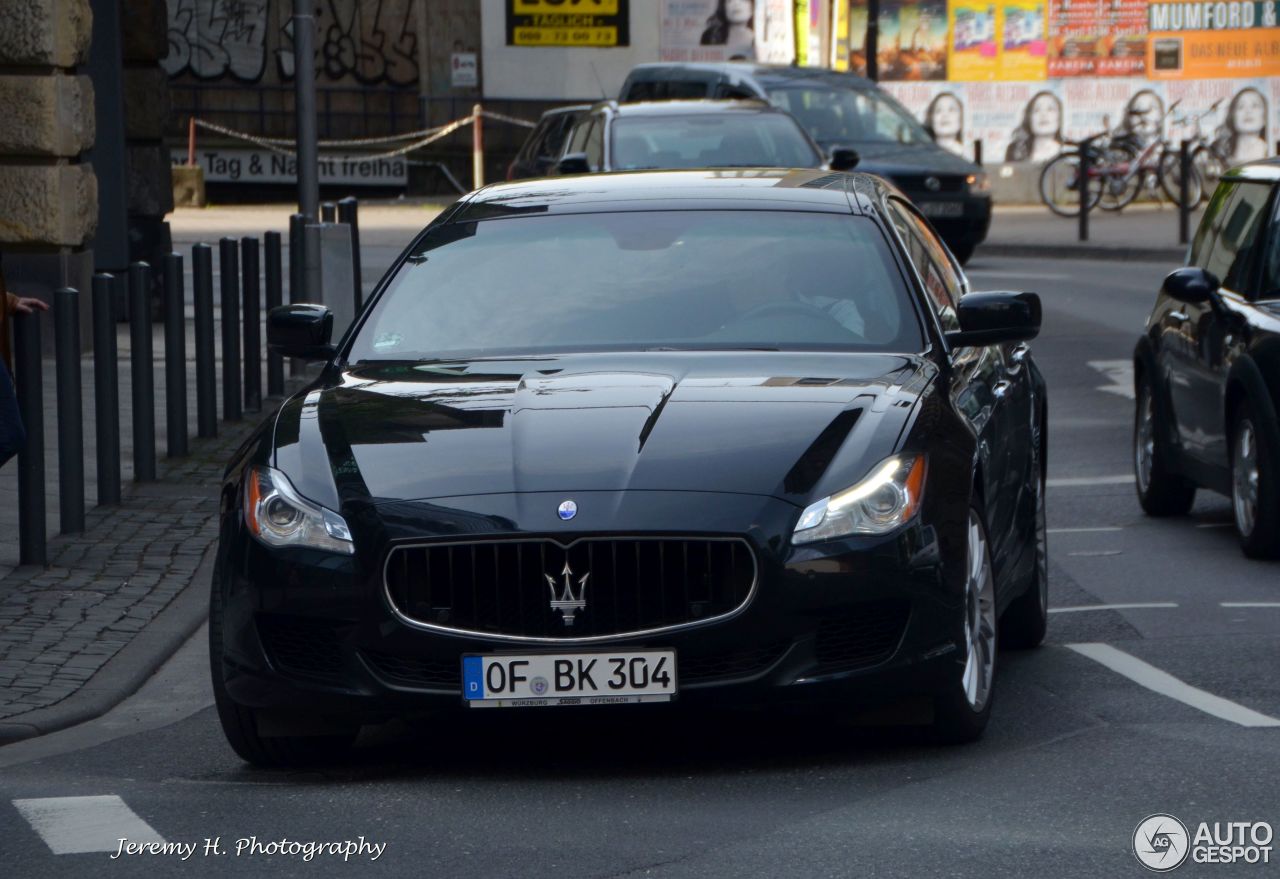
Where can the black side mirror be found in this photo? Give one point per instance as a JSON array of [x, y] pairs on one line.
[[995, 318], [301, 331], [1190, 284], [574, 163], [844, 159]]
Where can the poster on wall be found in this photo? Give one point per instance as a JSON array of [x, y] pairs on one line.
[[775, 32], [1022, 34], [1196, 40], [1097, 37], [1238, 116], [974, 52], [912, 40], [707, 30], [587, 23]]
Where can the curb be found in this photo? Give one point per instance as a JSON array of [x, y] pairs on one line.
[[1085, 251], [129, 669]]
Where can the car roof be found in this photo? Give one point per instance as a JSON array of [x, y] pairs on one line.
[[696, 107], [1265, 170], [769, 72], [573, 108], [726, 189]]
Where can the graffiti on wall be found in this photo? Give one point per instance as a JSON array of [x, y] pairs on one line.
[[369, 41]]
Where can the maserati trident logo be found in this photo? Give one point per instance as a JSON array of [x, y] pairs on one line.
[[566, 602], [567, 510]]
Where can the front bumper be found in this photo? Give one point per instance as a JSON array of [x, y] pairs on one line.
[[861, 621]]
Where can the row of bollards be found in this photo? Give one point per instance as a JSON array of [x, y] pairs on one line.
[[250, 271]]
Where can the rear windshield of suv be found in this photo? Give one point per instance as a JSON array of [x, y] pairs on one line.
[[713, 140]]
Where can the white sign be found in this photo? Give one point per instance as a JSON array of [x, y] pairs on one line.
[[264, 166], [464, 69]]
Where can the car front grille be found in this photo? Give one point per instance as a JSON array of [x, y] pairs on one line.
[[861, 638], [301, 647], [428, 674], [596, 587], [916, 183], [743, 663]]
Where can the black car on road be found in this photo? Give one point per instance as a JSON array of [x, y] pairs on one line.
[[843, 110], [736, 438], [679, 135], [1207, 368]]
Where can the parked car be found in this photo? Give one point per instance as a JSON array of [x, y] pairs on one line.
[[844, 110], [1207, 369], [671, 135], [541, 150], [608, 440]]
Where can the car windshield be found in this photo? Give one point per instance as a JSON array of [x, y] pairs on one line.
[[713, 140], [638, 281], [842, 115]]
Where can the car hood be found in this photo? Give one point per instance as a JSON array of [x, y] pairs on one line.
[[785, 425], [888, 159]]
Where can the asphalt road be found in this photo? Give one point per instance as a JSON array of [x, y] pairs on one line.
[[1076, 756]]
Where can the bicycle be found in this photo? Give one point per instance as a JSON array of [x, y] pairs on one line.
[[1060, 179]]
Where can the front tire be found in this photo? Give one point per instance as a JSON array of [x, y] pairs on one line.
[[1255, 494], [962, 710], [1026, 620], [240, 724], [1161, 492]]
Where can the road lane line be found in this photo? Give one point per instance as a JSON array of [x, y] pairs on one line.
[[1249, 604], [1096, 553], [1216, 525], [1120, 375], [1165, 684], [74, 825], [1078, 481], [1085, 607], [1085, 530]]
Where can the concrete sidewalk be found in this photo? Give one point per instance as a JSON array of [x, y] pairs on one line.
[[1146, 232]]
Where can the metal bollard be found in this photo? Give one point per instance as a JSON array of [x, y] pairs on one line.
[[66, 336], [29, 383], [143, 379], [1086, 164], [1184, 194], [175, 356], [275, 294], [106, 389], [229, 267], [328, 212], [297, 257], [977, 152], [477, 147], [349, 213], [206, 378], [252, 289]]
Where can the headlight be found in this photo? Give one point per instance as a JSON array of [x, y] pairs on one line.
[[876, 505], [278, 516], [978, 183]]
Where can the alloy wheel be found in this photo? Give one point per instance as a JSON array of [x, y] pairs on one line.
[[1244, 478], [979, 619], [1144, 441]]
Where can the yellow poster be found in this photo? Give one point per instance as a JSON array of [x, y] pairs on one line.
[[1023, 55], [972, 52]]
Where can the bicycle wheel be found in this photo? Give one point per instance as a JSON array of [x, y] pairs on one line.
[[1118, 181], [1061, 185], [1171, 179]]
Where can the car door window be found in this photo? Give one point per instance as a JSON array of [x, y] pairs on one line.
[[941, 282], [594, 146], [1230, 247], [1210, 225], [553, 143], [1269, 276], [578, 139]]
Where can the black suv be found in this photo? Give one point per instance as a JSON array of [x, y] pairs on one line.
[[1207, 369], [844, 110]]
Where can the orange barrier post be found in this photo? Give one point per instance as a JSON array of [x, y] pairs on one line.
[[477, 148]]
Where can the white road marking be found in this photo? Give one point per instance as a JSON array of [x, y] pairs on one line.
[[1250, 604], [1119, 374], [73, 825], [1084, 607], [1166, 684], [1079, 481], [1085, 530]]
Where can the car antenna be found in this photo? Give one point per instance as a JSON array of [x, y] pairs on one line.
[[604, 96]]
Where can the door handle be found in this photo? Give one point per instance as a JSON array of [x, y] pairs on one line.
[[1179, 316], [1019, 354], [1000, 388]]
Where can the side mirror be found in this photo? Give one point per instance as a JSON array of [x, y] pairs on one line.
[[844, 159], [574, 163], [995, 318], [301, 331], [1190, 284]]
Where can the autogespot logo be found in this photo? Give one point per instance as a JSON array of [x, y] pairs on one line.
[[1161, 843]]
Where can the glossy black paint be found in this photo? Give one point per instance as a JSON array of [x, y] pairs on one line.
[[301, 330], [995, 317], [1210, 344], [660, 442]]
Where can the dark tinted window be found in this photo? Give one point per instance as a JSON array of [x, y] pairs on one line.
[[941, 283], [1269, 287], [1231, 247], [713, 140], [553, 144], [644, 280], [655, 90]]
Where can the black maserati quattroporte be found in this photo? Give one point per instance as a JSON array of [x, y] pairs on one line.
[[730, 438]]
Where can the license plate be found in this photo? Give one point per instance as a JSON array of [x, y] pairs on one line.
[[505, 680], [942, 208]]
